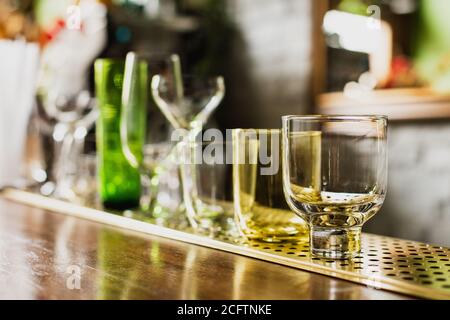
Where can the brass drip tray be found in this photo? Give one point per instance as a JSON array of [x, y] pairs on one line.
[[407, 267]]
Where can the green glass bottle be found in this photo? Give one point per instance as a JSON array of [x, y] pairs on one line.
[[119, 182]]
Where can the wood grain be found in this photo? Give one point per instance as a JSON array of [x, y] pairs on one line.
[[38, 248]]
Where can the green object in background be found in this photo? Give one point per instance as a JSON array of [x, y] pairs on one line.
[[119, 182], [355, 6], [47, 12], [432, 49]]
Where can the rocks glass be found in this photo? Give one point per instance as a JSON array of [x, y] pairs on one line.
[[261, 211]]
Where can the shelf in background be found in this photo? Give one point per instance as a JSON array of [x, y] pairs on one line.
[[397, 104]]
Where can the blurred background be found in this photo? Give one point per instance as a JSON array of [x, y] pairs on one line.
[[278, 57]]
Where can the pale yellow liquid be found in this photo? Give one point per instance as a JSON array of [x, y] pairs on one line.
[[320, 207], [261, 208], [337, 209]]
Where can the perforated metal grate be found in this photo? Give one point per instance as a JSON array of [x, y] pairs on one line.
[[408, 267], [417, 268]]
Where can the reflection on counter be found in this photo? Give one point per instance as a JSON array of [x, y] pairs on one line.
[[36, 251]]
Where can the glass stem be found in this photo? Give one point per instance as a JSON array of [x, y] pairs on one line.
[[335, 243]]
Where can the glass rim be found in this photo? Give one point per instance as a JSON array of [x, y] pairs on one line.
[[336, 117]]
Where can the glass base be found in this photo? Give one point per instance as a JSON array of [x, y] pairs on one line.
[[335, 243], [219, 226], [276, 235]]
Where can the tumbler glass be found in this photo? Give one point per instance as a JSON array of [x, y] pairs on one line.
[[141, 121], [261, 210], [335, 177], [206, 176]]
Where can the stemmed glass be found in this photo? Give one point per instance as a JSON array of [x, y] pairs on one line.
[[72, 115], [335, 177], [187, 101]]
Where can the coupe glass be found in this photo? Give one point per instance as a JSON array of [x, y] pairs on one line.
[[189, 102], [261, 210], [139, 111], [207, 185], [335, 177]]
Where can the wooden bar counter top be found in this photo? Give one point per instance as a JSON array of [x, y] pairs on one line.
[[46, 255]]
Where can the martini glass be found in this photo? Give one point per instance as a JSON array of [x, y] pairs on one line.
[[187, 101]]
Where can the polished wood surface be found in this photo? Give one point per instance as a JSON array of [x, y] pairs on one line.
[[42, 252]]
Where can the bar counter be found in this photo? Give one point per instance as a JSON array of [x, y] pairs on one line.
[[43, 254]]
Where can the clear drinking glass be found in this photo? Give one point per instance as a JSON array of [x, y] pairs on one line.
[[188, 100], [261, 210], [85, 180], [207, 185], [335, 177], [72, 116], [140, 111]]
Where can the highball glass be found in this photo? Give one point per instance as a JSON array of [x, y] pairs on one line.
[[206, 175]]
